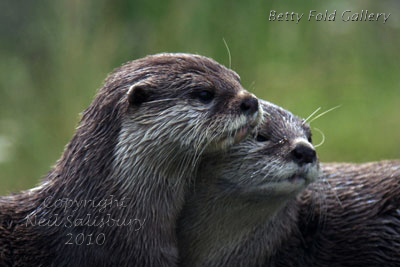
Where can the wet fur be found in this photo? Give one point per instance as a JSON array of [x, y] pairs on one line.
[[139, 141]]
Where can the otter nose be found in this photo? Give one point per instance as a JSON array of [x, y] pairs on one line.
[[249, 105], [303, 154]]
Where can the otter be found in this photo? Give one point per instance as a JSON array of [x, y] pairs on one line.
[[114, 196], [266, 202]]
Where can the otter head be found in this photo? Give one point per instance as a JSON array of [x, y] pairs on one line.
[[238, 209], [190, 101], [160, 113], [178, 105], [274, 164]]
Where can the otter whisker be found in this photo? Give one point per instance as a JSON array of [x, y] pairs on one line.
[[323, 137], [323, 113], [333, 189], [251, 86], [322, 201], [312, 114], [229, 52], [161, 100]]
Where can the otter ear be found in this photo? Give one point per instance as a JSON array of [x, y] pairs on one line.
[[138, 94]]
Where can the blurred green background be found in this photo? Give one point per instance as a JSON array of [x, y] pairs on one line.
[[54, 55]]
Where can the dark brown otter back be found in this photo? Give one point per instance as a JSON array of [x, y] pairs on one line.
[[351, 217]]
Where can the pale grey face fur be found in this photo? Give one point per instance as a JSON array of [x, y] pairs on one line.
[[265, 166], [191, 106]]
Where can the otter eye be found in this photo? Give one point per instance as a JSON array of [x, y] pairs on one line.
[[261, 138], [204, 96]]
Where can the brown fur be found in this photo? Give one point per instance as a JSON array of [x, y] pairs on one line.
[[138, 144], [349, 217], [353, 221]]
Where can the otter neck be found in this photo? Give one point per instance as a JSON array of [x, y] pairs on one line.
[[118, 165], [140, 163], [229, 226]]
